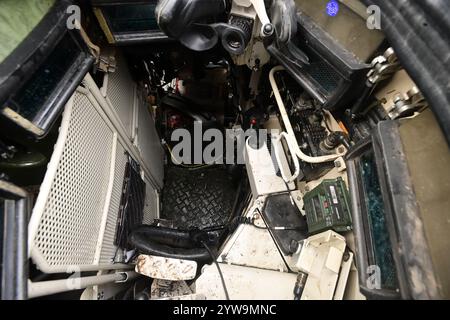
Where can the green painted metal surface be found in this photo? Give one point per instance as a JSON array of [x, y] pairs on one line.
[[17, 19]]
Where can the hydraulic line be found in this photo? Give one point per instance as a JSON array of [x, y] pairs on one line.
[[287, 124]]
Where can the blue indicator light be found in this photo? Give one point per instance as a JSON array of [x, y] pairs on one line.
[[332, 8]]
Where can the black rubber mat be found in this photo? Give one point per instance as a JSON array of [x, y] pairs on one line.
[[198, 198], [280, 212]]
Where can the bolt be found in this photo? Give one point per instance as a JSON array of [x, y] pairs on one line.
[[337, 164], [346, 256], [397, 98], [268, 29]]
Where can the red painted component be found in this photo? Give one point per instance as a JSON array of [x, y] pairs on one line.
[[174, 121]]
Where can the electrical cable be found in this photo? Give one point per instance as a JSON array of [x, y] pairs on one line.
[[218, 269], [195, 166], [275, 228], [250, 222]]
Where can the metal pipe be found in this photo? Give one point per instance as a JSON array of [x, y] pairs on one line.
[[15, 262], [46, 288], [287, 124]]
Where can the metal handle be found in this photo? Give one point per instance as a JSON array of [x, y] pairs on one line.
[[289, 143]]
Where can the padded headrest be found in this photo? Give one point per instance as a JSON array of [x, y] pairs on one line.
[[184, 20]]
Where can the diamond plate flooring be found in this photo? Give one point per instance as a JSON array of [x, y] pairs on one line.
[[197, 198]]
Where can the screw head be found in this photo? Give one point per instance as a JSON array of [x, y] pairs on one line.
[[337, 164], [268, 29]]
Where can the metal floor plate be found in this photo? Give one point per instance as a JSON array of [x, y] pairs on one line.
[[197, 198]]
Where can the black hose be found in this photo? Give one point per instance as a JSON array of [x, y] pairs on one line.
[[227, 296], [167, 236], [168, 243], [182, 244]]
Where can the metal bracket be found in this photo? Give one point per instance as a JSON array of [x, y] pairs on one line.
[[383, 67], [406, 105], [107, 63], [94, 49], [260, 11], [260, 8]]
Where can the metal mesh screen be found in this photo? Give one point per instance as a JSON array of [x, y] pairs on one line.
[[75, 216], [108, 247], [120, 91], [324, 75], [70, 223]]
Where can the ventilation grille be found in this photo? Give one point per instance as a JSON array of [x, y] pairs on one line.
[[75, 216], [324, 75], [131, 205], [120, 91], [108, 248], [71, 220]]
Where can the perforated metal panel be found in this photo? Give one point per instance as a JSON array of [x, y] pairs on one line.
[[132, 110], [72, 211], [120, 92], [108, 248], [74, 220]]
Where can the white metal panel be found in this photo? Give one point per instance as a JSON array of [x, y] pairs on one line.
[[253, 247], [148, 141], [151, 206], [112, 116], [262, 171], [108, 250], [320, 256], [73, 224], [71, 204], [132, 112], [120, 89], [245, 283]]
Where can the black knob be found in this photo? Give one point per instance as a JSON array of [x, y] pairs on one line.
[[268, 29]]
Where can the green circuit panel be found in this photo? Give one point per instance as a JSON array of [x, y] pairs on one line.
[[327, 207]]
